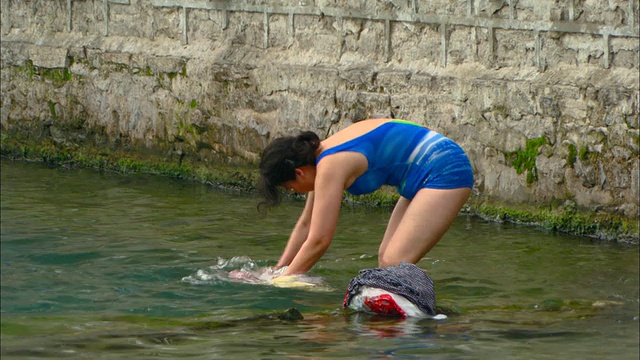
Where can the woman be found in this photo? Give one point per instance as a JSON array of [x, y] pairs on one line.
[[431, 172]]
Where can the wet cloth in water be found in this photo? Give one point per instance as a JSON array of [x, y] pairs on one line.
[[406, 280]]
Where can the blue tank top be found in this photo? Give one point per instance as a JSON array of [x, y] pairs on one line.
[[393, 151]]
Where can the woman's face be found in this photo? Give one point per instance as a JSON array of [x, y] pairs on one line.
[[304, 181]]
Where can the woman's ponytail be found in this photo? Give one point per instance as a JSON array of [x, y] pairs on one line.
[[304, 148]]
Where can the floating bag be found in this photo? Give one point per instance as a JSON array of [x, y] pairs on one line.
[[404, 290]]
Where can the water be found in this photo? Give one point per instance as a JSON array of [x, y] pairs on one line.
[[98, 265]]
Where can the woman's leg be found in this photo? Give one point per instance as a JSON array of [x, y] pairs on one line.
[[416, 226], [394, 220]]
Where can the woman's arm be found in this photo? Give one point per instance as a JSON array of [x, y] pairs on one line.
[[299, 233], [326, 210]]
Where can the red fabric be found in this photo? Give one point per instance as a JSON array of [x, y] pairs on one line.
[[383, 304]]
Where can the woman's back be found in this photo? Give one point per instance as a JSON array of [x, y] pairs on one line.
[[351, 132]]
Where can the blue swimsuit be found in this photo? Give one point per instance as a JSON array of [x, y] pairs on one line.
[[408, 156]]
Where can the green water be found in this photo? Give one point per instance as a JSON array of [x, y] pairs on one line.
[[92, 267]]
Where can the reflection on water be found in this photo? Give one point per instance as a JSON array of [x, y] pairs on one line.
[[93, 266]]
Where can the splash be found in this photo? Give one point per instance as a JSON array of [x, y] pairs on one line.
[[244, 270]]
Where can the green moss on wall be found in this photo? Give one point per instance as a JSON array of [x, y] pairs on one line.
[[584, 153], [182, 73], [525, 160], [236, 176], [52, 110], [567, 220], [571, 157], [57, 76], [28, 69]]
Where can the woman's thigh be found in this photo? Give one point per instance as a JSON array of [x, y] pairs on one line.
[[396, 216], [424, 221]]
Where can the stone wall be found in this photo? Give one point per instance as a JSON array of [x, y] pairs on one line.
[[543, 95]]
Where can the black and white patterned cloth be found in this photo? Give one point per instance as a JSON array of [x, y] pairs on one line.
[[406, 280]]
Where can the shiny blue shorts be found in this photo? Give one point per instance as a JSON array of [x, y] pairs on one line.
[[439, 163]]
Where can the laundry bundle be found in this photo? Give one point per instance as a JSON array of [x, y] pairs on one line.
[[404, 290]]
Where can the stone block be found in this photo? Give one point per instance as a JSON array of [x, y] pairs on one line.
[[14, 54], [166, 64], [49, 57], [117, 58]]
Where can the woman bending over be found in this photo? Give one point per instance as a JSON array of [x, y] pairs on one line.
[[431, 173]]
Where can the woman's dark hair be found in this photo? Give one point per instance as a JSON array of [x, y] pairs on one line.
[[279, 161]]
